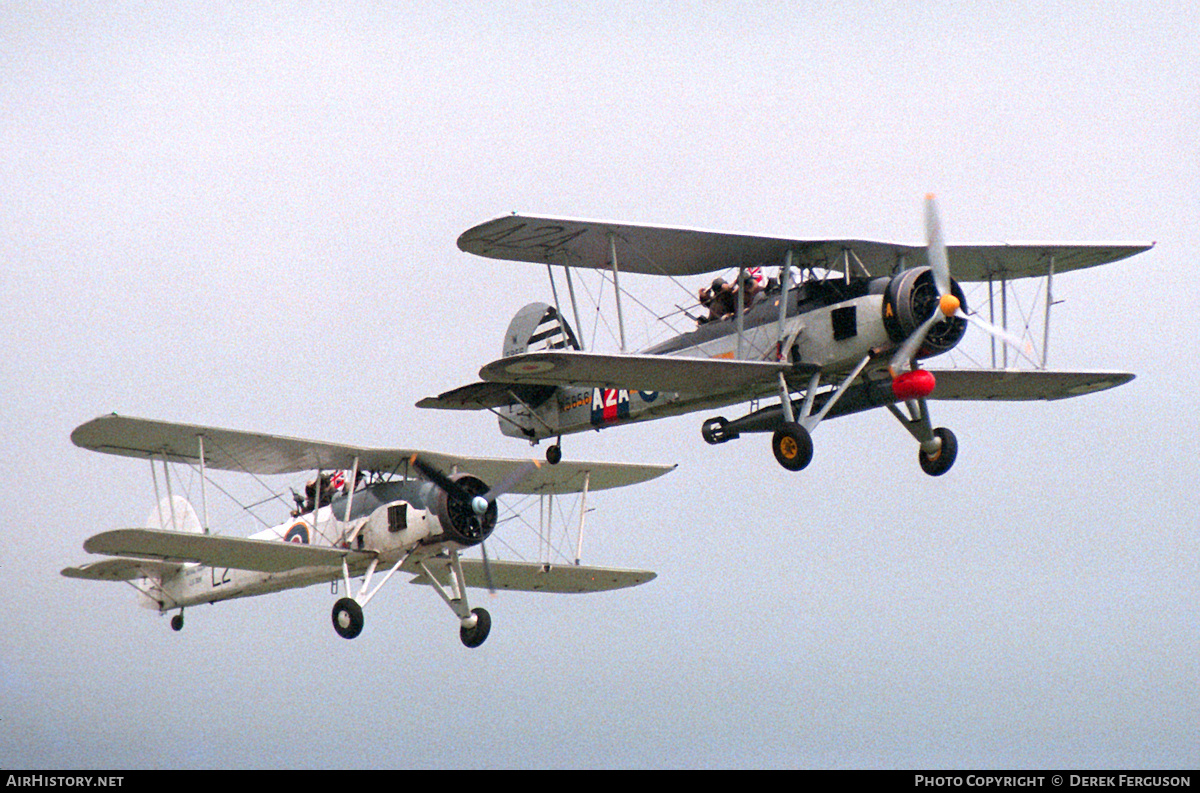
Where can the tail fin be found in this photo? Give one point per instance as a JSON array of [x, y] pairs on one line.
[[536, 327], [175, 513]]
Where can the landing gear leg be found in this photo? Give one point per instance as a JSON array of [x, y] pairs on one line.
[[939, 447], [347, 613], [474, 623]]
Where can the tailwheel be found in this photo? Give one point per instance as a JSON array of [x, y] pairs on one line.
[[554, 454], [792, 446], [477, 633], [177, 622], [347, 618], [939, 462]]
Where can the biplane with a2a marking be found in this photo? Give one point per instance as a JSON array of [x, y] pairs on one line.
[[365, 510], [840, 331]]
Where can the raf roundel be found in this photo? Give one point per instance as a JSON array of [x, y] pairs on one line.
[[298, 533]]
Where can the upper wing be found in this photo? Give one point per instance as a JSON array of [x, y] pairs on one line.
[[240, 553], [637, 372], [262, 454], [1020, 385], [228, 450], [533, 577], [665, 250]]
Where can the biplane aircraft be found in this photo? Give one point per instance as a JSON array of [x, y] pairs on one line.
[[365, 510], [841, 330]]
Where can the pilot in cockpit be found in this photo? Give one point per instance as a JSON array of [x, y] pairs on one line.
[[720, 300]]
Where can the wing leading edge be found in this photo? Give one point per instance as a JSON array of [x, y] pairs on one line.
[[263, 455], [676, 251], [631, 371]]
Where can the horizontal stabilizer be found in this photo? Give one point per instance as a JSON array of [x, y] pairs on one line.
[[120, 569], [262, 454], [634, 372], [482, 396], [1019, 385], [674, 251], [239, 553], [533, 577]]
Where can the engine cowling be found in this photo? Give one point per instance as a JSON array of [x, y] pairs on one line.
[[910, 298], [459, 520]]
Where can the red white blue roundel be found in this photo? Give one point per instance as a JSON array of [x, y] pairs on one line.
[[298, 533]]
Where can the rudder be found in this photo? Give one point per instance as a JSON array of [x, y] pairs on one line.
[[537, 327]]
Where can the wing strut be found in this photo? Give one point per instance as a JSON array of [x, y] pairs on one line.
[[741, 308], [1049, 302], [574, 306], [203, 489], [587, 478], [612, 251], [784, 286]]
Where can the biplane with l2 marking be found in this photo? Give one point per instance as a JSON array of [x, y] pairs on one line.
[[364, 511], [842, 329]]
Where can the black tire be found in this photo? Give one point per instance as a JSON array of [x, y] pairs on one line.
[[554, 454], [941, 462], [347, 618], [792, 446], [177, 622], [473, 637]]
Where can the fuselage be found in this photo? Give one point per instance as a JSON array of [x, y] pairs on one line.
[[388, 519], [829, 327]]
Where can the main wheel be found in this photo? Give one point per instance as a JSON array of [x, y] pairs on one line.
[[177, 622], [792, 446], [473, 637], [347, 618], [940, 462]]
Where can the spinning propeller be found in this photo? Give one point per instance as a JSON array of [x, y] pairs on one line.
[[948, 305], [479, 505]]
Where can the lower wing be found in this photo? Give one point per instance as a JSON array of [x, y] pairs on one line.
[[533, 577], [1020, 385], [239, 553]]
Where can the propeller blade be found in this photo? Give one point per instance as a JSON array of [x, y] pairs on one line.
[[1004, 336], [440, 479], [517, 476], [936, 247], [487, 569], [908, 350]]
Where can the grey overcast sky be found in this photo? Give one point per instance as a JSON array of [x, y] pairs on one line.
[[244, 215]]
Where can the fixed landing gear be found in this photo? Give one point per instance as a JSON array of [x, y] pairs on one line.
[[554, 454], [347, 618], [478, 632], [792, 445], [938, 462], [177, 622]]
